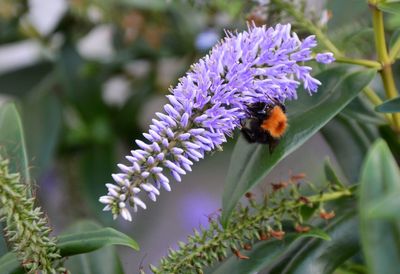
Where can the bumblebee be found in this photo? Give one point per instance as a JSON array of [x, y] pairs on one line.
[[265, 123]]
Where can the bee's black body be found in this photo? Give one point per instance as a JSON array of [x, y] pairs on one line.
[[252, 130]]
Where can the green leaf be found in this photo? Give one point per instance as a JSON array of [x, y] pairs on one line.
[[89, 238], [10, 265], [393, 7], [362, 111], [349, 141], [391, 138], [393, 39], [331, 175], [42, 117], [387, 207], [380, 176], [317, 256], [264, 253], [103, 261], [21, 81], [251, 162], [95, 165], [389, 106], [12, 142]]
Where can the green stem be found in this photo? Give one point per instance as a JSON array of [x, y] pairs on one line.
[[383, 57], [361, 62]]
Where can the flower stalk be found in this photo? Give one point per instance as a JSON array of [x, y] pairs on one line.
[[26, 229], [361, 62], [256, 222]]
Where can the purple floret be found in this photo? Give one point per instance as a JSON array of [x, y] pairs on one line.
[[325, 58]]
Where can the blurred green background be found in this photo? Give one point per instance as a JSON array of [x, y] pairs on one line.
[[87, 76]]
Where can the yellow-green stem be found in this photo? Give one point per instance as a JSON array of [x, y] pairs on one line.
[[361, 62], [383, 57]]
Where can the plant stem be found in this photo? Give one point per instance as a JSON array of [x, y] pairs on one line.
[[361, 62], [383, 57]]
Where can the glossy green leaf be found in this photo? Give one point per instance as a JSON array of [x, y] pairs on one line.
[[349, 142], [42, 119], [96, 164], [389, 106], [264, 253], [10, 265], [391, 138], [252, 162], [331, 175], [380, 176], [103, 261], [318, 256], [89, 239], [394, 38], [21, 81], [12, 142], [387, 207], [389, 7], [361, 110]]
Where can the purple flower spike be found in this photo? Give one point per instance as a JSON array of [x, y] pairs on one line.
[[208, 104]]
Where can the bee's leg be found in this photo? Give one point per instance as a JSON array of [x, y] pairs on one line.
[[272, 144], [248, 135]]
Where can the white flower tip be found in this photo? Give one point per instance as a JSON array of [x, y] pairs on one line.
[[126, 214], [106, 199]]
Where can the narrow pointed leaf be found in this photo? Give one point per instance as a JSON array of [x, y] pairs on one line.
[[103, 261], [389, 106], [331, 175], [87, 241], [380, 177], [393, 8], [349, 141], [385, 208], [75, 243], [250, 163], [12, 142]]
